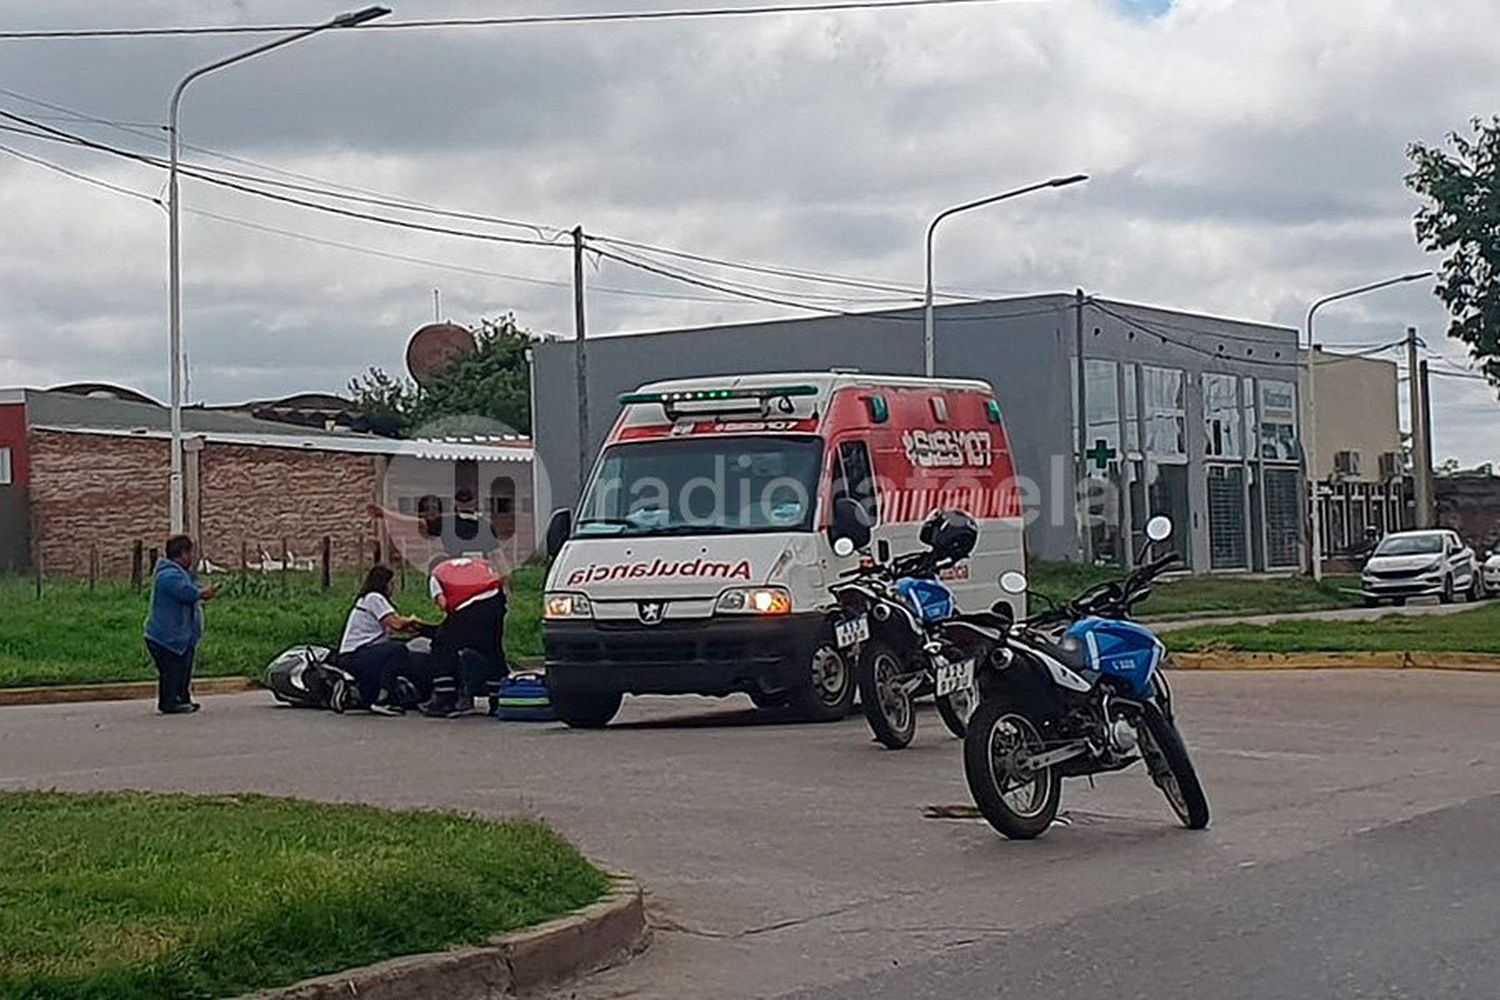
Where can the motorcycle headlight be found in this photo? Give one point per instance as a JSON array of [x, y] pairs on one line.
[[561, 606], [754, 601]]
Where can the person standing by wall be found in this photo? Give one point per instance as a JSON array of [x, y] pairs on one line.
[[174, 626]]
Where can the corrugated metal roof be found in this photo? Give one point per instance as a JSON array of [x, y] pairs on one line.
[[427, 450]]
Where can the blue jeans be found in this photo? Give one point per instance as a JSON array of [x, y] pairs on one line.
[[376, 667]]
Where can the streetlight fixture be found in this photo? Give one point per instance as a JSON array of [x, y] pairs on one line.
[[1311, 449], [350, 19], [929, 319]]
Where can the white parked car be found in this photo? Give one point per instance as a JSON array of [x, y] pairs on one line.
[[1490, 572], [1433, 563]]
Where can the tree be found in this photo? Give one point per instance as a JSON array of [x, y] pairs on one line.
[[467, 396], [493, 383], [384, 402], [1461, 184]]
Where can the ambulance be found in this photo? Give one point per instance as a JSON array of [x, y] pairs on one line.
[[721, 510]]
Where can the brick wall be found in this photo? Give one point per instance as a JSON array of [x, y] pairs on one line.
[[107, 491], [263, 495], [91, 490]]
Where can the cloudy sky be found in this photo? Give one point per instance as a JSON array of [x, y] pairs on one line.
[[1247, 157]]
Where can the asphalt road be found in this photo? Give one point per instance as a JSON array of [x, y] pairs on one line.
[[1409, 910], [784, 858]]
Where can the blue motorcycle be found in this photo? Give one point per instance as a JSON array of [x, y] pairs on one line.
[[1075, 691]]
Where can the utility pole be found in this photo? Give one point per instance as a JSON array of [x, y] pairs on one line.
[[1431, 508], [1080, 467], [1421, 446], [580, 361]]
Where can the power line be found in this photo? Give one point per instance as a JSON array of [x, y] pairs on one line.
[[1216, 355], [386, 201], [739, 290], [355, 248], [521, 20], [702, 281], [824, 277], [273, 196]]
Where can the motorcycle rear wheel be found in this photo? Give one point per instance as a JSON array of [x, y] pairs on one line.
[[888, 708], [998, 733], [957, 709], [1172, 769]]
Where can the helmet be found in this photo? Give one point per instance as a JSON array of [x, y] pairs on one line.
[[950, 534], [457, 583]]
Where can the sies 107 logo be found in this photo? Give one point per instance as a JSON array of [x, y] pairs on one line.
[[948, 449]]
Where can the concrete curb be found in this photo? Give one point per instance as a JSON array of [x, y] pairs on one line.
[[1472, 662], [596, 937], [70, 693]]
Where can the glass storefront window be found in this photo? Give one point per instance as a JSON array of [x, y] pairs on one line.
[[1131, 375], [1278, 422], [1166, 411], [1102, 459], [1221, 415]]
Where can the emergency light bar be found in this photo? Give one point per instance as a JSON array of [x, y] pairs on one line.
[[760, 393]]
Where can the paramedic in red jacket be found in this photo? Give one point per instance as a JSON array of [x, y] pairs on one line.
[[468, 649]]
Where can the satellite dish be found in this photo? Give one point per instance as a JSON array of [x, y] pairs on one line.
[[434, 347]]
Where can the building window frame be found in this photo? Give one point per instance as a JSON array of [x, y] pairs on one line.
[[7, 466]]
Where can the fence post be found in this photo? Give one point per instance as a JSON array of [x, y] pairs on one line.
[[137, 553], [377, 551], [38, 562], [93, 567], [327, 563], [286, 559]]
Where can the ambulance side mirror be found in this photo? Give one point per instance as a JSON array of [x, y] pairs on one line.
[[558, 531], [849, 525]]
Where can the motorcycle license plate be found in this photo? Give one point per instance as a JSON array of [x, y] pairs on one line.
[[953, 677], [851, 631]]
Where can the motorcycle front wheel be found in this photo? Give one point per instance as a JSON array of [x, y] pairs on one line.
[[1021, 805], [1171, 768], [887, 704]]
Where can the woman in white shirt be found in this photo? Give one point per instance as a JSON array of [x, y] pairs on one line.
[[367, 650]]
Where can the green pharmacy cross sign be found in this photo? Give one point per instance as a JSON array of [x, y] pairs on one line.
[[1101, 454]]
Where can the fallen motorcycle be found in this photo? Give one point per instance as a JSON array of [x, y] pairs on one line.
[[1073, 691]]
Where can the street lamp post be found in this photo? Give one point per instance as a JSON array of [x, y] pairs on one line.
[[1311, 450], [174, 237], [929, 319]]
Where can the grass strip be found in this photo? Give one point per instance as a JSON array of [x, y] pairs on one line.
[[129, 896]]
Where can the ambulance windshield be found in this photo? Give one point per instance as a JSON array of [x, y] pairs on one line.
[[707, 485]]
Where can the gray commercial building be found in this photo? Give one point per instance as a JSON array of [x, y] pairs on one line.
[[1187, 415]]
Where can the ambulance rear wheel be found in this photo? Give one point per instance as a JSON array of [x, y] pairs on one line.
[[586, 711], [829, 693]]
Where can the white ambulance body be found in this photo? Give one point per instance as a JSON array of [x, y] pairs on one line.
[[701, 556]]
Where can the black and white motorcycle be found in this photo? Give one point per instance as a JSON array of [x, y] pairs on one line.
[[903, 625]]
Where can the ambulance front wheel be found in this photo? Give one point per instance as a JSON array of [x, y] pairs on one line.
[[829, 693], [586, 710]]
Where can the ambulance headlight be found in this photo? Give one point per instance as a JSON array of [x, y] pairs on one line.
[[557, 607], [754, 601]]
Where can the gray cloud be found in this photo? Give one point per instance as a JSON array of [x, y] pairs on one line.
[[1247, 158]]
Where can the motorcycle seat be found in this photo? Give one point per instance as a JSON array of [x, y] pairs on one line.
[[984, 619]]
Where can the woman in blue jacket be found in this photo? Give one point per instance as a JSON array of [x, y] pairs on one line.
[[175, 625]]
